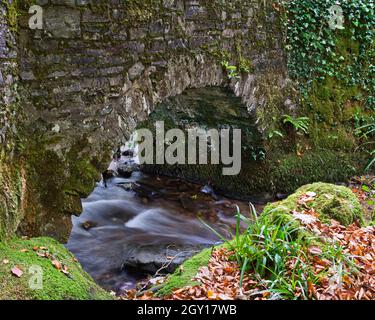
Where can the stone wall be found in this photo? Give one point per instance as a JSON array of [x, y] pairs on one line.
[[12, 173], [98, 68], [8, 78]]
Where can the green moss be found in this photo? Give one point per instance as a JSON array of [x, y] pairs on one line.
[[183, 277], [12, 14], [333, 101], [289, 172], [10, 198], [56, 183], [56, 285], [279, 214], [331, 202]]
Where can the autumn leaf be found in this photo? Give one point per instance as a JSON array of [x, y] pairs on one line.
[[17, 272], [228, 269], [315, 250], [41, 254], [211, 294], [56, 264], [312, 290], [5, 261], [65, 270], [311, 194]]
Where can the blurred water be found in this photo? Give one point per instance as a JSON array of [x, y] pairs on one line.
[[155, 211]]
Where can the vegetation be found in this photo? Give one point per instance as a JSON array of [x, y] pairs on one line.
[[325, 134], [313, 42], [281, 252], [19, 255], [299, 124], [184, 275], [231, 70], [367, 132], [330, 56], [275, 238], [331, 202]]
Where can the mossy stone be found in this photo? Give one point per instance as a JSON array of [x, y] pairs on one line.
[[56, 285], [331, 202]]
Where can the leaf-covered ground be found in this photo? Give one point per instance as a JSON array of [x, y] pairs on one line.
[[220, 280], [364, 189]]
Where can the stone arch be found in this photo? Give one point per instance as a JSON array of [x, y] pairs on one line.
[[138, 98]]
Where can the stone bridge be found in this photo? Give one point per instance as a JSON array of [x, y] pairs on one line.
[[97, 68]]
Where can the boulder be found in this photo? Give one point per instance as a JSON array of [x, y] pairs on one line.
[[330, 202], [29, 257], [161, 257], [126, 169]]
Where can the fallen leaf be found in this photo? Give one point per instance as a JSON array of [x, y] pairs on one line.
[[5, 261], [311, 194], [41, 254], [24, 250], [315, 250], [304, 218], [65, 270], [17, 272], [56, 264]]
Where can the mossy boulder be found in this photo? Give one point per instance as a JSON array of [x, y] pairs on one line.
[[331, 202], [56, 285]]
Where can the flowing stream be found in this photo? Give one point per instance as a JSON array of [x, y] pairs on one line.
[[147, 218], [146, 224]]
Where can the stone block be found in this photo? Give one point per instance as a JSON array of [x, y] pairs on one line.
[[63, 22]]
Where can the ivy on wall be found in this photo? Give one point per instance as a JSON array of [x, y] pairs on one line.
[[316, 48], [331, 56]]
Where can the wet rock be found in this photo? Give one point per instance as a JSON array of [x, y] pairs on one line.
[[207, 189], [87, 225], [263, 197], [126, 169], [162, 258], [128, 186], [281, 196], [108, 174]]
